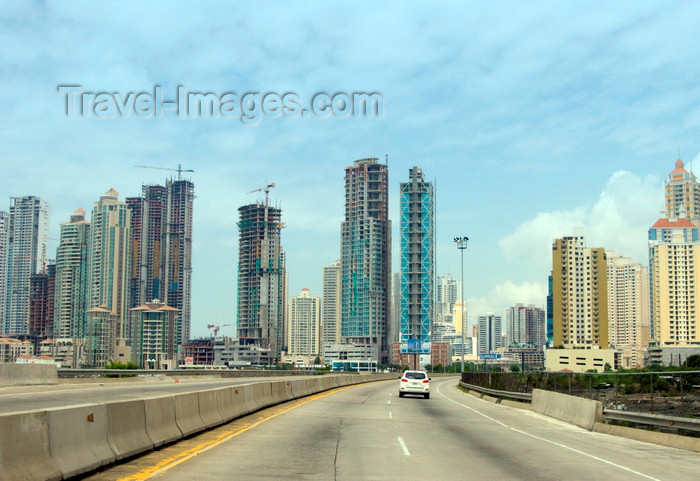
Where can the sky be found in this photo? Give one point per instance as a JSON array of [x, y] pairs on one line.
[[531, 118]]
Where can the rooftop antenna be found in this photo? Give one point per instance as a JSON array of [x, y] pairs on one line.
[[386, 156]]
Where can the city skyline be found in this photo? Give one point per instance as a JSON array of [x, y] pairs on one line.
[[526, 131]]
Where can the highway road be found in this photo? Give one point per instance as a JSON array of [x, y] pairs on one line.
[[26, 398], [367, 432]]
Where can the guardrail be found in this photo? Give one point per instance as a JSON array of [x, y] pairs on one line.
[[686, 424], [521, 396], [674, 422]]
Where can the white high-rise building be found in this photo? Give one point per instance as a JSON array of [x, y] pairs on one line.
[[628, 302], [489, 333], [27, 254], [682, 193], [447, 295], [526, 325], [330, 304], [304, 324]]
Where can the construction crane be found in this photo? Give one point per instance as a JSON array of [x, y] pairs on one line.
[[216, 328], [265, 189], [179, 169]]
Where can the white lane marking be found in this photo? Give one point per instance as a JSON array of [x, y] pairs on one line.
[[584, 454], [547, 440], [388, 401], [403, 446], [390, 417], [471, 409]]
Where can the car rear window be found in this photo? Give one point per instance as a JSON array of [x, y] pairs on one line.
[[415, 375]]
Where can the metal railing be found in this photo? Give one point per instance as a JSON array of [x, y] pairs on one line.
[[671, 393]]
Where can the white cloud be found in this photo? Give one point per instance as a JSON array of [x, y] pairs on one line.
[[619, 220], [504, 295]]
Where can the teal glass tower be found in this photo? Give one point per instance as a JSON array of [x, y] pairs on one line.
[[417, 257]]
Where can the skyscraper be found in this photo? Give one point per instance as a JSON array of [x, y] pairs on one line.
[[72, 278], [447, 295], [109, 259], [153, 340], [417, 257], [674, 262], [41, 303], [260, 278], [330, 304], [489, 333], [4, 239], [304, 324], [579, 293], [682, 193], [161, 239], [27, 254], [366, 257], [628, 302], [526, 325]]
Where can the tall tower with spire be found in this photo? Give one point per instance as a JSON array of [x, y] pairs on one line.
[[682, 193]]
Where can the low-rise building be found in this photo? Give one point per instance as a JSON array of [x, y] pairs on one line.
[[579, 360]]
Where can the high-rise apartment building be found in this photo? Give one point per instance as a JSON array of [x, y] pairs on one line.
[[447, 295], [579, 293], [4, 239], [628, 302], [261, 273], [108, 259], [70, 308], [682, 193], [161, 240], [526, 326], [153, 335], [417, 257], [304, 324], [489, 338], [674, 262], [550, 311], [27, 254], [330, 304], [41, 303], [366, 257]]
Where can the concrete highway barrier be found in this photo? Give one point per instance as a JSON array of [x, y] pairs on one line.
[[78, 438], [126, 428], [187, 413], [24, 447], [63, 442], [230, 403], [161, 424], [574, 410], [27, 374], [209, 409]]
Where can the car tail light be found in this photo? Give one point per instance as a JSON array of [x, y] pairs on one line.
[[425, 381], [404, 380]]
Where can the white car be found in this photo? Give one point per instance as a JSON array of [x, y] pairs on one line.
[[415, 382]]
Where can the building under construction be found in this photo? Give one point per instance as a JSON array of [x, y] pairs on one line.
[[161, 246], [260, 278], [366, 257]]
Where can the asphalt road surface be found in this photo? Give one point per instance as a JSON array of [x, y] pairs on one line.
[[26, 398], [367, 432]]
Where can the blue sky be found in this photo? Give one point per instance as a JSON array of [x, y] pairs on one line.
[[532, 118]]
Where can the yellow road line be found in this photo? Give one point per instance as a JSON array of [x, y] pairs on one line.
[[173, 461]]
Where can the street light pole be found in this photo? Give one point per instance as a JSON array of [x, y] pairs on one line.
[[462, 245]]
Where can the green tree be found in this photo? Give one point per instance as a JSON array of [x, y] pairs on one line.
[[317, 361], [693, 361], [514, 368]]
